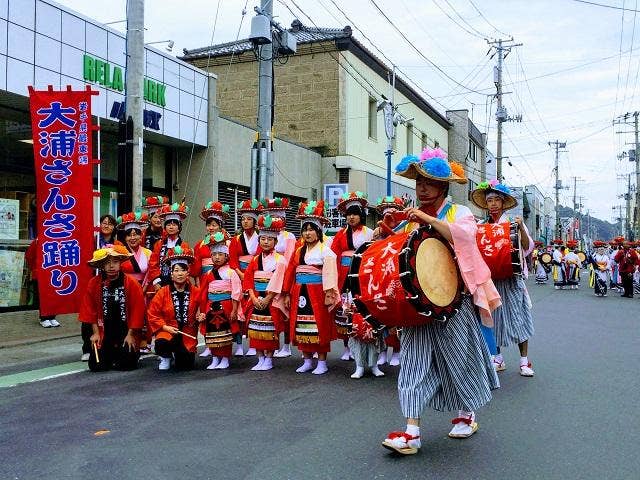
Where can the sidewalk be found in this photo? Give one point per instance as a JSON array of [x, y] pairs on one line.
[[22, 328]]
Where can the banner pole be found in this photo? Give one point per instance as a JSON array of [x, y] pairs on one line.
[[96, 204]]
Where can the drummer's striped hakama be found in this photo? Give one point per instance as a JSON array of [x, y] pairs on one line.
[[513, 321], [445, 365]]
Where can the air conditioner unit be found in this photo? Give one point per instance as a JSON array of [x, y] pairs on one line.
[[260, 30]]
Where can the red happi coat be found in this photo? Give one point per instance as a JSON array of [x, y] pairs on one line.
[[161, 312], [91, 305]]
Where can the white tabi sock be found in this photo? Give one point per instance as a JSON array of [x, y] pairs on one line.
[[413, 430], [524, 361]]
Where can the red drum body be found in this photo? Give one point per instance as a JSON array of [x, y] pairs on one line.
[[406, 279], [499, 244]]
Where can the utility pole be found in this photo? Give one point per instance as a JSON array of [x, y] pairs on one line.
[[558, 186], [628, 230], [619, 217], [575, 204], [634, 229], [502, 115], [134, 86], [389, 113], [265, 110]]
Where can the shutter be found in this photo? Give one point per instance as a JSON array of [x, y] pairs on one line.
[[232, 194]]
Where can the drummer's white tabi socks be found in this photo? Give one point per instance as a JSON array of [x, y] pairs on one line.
[[376, 371], [321, 368], [414, 431], [358, 373], [463, 429], [307, 366]]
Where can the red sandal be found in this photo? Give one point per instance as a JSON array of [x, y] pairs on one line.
[[402, 443]]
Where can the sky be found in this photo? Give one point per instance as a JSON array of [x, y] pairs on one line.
[[576, 71]]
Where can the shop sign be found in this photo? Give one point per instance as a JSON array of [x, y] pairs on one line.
[[150, 118], [61, 126], [111, 76]]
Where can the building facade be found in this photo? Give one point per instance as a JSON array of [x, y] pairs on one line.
[[189, 149], [467, 146], [326, 98]]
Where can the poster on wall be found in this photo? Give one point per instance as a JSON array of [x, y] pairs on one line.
[[11, 265], [62, 134], [9, 218]]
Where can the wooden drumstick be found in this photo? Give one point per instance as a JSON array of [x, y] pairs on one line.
[[95, 351], [186, 334]]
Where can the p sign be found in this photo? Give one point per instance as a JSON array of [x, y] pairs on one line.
[[333, 192]]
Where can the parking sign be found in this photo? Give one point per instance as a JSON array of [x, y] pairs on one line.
[[333, 192]]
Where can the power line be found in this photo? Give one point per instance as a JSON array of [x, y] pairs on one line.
[[486, 20], [455, 21], [410, 43], [596, 4], [464, 20]]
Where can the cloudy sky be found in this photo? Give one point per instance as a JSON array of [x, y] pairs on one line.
[[576, 71]]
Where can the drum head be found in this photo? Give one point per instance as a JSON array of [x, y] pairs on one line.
[[436, 272], [582, 256], [546, 258], [430, 275]]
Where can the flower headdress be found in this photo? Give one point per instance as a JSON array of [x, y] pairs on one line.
[[386, 204], [218, 242], [152, 204], [137, 219], [432, 164], [250, 208], [313, 212], [358, 199], [479, 195], [276, 207], [216, 210], [269, 226], [178, 254], [175, 211]]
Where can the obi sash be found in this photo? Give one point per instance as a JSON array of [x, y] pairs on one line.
[[244, 260], [346, 258], [308, 274], [219, 290], [261, 280], [206, 265]]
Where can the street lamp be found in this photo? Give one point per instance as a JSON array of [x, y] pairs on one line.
[[169, 47]]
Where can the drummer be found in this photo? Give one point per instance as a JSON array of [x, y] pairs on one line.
[[346, 241], [386, 205], [445, 365], [513, 322], [559, 271]]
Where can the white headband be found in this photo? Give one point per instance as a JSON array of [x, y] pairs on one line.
[[268, 233], [172, 216], [249, 214], [130, 225], [219, 248], [177, 261], [315, 221]]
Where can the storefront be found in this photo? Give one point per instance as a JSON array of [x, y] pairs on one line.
[[43, 44]]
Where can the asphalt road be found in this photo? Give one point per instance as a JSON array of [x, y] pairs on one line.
[[576, 419]]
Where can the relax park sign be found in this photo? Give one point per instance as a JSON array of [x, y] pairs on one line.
[[112, 76]]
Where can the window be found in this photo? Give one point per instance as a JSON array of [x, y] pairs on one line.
[[409, 138], [473, 151], [424, 141], [472, 186], [373, 118]]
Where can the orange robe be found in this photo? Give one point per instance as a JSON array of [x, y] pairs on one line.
[[91, 306], [161, 312]]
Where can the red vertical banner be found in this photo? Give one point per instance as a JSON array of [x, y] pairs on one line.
[[61, 126]]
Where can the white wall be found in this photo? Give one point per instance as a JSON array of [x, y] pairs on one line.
[[42, 43]]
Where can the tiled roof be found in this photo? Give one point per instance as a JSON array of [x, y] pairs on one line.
[[302, 33]]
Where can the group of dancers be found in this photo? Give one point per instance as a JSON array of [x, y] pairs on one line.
[[277, 290], [614, 264]]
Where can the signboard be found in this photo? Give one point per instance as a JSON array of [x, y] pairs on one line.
[[11, 265], [9, 218], [62, 131], [332, 193]]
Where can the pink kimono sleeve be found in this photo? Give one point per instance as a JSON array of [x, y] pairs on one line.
[[475, 273], [330, 275]]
